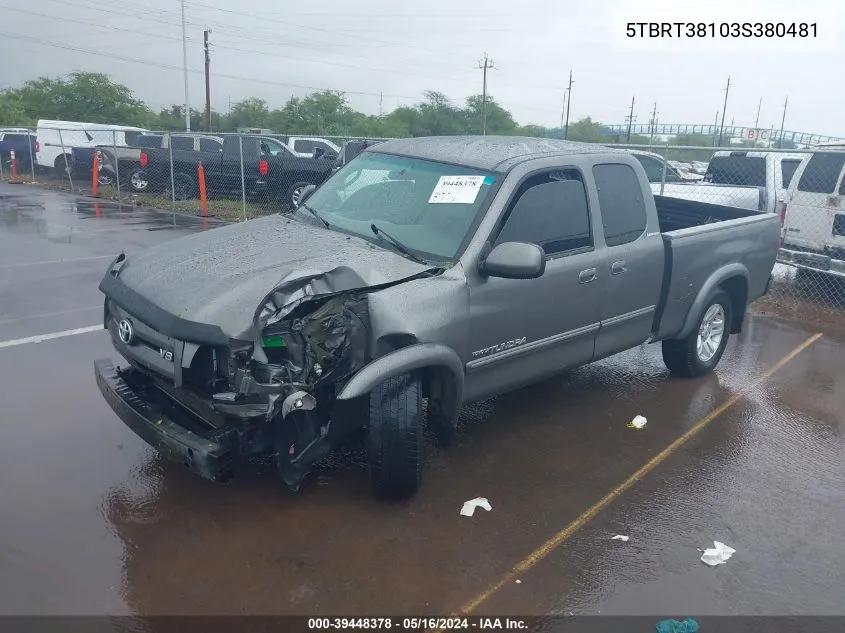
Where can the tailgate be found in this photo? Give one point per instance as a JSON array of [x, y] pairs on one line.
[[697, 254]]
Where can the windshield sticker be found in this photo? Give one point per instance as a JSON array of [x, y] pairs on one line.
[[456, 190]]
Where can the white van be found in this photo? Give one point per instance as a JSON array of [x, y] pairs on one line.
[[56, 139], [771, 170], [813, 216]]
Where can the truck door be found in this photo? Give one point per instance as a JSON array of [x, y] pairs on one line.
[[522, 330], [632, 262]]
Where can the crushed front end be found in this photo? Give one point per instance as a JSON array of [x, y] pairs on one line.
[[203, 398]]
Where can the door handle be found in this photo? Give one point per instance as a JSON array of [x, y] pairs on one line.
[[588, 275], [617, 268]]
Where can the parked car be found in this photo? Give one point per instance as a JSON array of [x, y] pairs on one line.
[[21, 141], [270, 169], [772, 171], [813, 214], [699, 167], [126, 160], [668, 181], [471, 266], [57, 140]]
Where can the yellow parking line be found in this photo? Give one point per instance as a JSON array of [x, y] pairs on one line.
[[561, 537]]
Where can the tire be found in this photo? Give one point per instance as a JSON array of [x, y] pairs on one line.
[[61, 166], [186, 187], [395, 437], [685, 357], [294, 191]]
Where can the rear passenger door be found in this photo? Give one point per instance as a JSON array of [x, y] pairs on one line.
[[524, 329], [632, 262]]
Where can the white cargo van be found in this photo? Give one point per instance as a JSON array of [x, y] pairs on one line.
[[813, 216], [56, 139]]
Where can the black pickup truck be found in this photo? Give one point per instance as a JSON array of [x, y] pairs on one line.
[[270, 169]]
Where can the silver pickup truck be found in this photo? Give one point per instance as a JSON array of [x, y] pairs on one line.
[[423, 274]]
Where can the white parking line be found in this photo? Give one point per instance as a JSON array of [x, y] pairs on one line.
[[46, 337], [57, 261], [52, 314]]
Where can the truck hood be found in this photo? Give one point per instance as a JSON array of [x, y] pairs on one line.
[[226, 277]]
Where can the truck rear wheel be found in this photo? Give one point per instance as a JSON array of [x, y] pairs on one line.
[[395, 437], [63, 164], [701, 350], [294, 192], [185, 187]]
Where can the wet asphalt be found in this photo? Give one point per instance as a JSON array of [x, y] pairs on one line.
[[92, 521]]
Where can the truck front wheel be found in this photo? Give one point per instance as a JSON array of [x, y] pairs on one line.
[[395, 437], [701, 350]]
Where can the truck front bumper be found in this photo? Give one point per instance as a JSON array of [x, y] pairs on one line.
[[206, 456]]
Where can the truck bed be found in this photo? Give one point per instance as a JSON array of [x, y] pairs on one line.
[[701, 238]]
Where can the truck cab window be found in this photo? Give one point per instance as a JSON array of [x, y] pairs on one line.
[[621, 202], [550, 210], [182, 143], [653, 168], [210, 145]]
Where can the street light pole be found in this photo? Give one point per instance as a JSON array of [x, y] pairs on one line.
[[185, 69]]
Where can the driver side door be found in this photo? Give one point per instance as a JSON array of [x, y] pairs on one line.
[[522, 330]]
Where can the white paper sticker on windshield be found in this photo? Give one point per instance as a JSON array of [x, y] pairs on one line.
[[456, 190]]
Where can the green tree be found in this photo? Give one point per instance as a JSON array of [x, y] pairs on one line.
[[499, 120], [82, 96], [588, 131], [12, 111], [251, 112]]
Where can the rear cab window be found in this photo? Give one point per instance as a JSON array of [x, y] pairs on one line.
[[303, 146], [210, 145], [738, 170], [621, 202], [182, 143], [822, 172]]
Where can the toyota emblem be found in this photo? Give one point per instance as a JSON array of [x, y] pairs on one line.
[[126, 332]]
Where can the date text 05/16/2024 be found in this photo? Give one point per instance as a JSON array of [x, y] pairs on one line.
[[722, 29], [416, 624]]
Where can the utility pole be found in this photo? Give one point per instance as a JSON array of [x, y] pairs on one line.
[[562, 110], [652, 124], [568, 102], [485, 66], [185, 69], [757, 122], [630, 120], [783, 120], [380, 104], [207, 82], [725, 107]]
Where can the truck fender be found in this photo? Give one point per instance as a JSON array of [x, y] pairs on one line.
[[433, 356], [716, 279]]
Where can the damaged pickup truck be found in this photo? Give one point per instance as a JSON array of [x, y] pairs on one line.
[[423, 274]]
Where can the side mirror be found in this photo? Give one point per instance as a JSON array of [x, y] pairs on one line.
[[515, 260], [306, 192]]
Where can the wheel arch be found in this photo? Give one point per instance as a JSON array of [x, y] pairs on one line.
[[733, 279]]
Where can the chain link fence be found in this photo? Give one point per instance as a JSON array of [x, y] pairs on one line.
[[241, 176], [805, 188]]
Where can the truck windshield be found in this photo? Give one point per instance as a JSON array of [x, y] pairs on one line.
[[428, 206]]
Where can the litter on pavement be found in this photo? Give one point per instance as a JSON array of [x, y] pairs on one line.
[[620, 537], [479, 502], [637, 423], [687, 625], [717, 555]]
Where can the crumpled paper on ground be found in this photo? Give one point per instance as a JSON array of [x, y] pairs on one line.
[[479, 502], [717, 555], [620, 537], [638, 422]]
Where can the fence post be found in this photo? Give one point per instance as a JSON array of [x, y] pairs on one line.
[[116, 164], [31, 159], [67, 165], [203, 196], [95, 174], [2, 173], [243, 182], [172, 180]]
